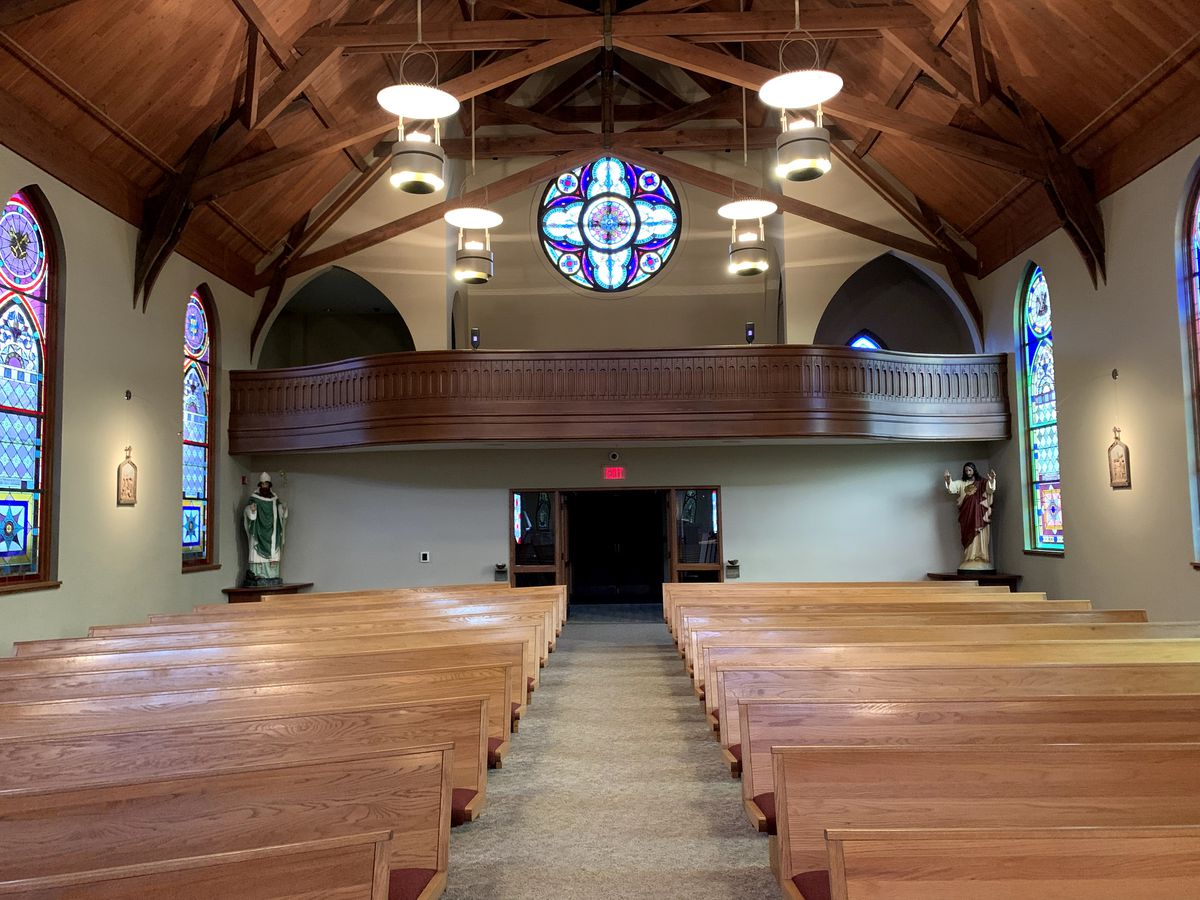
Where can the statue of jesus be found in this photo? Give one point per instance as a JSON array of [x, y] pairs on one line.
[[974, 494], [264, 518]]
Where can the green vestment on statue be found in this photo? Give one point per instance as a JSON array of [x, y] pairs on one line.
[[264, 519]]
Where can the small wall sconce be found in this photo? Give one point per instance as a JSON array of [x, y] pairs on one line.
[[733, 569], [474, 338], [749, 332], [501, 573]]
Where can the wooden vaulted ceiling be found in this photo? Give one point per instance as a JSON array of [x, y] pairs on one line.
[[238, 130]]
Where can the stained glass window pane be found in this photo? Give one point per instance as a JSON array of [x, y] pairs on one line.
[[1041, 414], [24, 281], [864, 340], [609, 225], [197, 431]]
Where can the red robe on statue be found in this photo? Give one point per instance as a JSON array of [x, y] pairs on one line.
[[974, 512]]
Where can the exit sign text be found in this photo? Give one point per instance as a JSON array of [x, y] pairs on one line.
[[614, 473]]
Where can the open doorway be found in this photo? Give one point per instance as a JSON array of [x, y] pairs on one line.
[[616, 544]]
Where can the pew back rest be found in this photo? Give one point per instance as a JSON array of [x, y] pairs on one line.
[[1047, 785], [1097, 863], [918, 682], [53, 832], [767, 723]]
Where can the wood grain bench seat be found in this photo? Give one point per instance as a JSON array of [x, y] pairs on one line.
[[310, 709], [353, 867], [287, 647], [916, 682], [1165, 650], [1039, 786], [767, 723], [887, 633], [51, 834], [1096, 863]]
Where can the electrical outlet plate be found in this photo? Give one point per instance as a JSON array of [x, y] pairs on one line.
[[424, 556]]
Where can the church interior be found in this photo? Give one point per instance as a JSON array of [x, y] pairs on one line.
[[626, 449]]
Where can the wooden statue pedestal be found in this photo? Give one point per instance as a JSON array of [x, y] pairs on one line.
[[255, 594], [1012, 582]]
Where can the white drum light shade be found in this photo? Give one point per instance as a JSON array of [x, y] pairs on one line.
[[747, 209], [802, 154], [417, 101], [801, 89], [473, 218], [417, 167], [748, 254]]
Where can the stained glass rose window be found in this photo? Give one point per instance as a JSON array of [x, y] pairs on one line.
[[609, 225]]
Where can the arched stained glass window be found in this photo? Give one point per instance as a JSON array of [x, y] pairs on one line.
[[198, 364], [864, 340], [1191, 250], [28, 369], [609, 225], [1041, 415]]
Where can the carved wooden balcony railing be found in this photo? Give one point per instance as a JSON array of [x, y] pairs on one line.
[[782, 391]]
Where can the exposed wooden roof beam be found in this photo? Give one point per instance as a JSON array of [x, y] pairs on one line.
[[678, 139], [704, 27], [278, 278], [720, 105], [267, 165], [534, 8], [941, 30], [663, 6], [650, 88], [988, 151], [14, 11], [569, 86], [980, 84], [498, 190], [722, 185], [251, 78], [519, 115]]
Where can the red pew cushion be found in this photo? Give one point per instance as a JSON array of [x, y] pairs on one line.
[[735, 751], [766, 802], [494, 744], [813, 885], [458, 805]]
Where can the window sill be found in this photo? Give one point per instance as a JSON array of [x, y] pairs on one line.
[[1054, 554], [207, 567], [20, 586]]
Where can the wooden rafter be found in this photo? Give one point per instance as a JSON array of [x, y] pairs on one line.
[[650, 88], [520, 115], [251, 78], [677, 139], [14, 11], [569, 86], [725, 186], [723, 104], [980, 84], [991, 152], [278, 278], [497, 190]]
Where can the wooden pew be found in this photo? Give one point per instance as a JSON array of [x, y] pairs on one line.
[[919, 681], [886, 633], [1095, 652], [354, 867], [50, 835], [767, 723], [870, 603], [1048, 785], [696, 629], [429, 716], [269, 645], [331, 625], [1089, 863]]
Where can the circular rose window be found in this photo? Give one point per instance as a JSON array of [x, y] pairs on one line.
[[610, 225]]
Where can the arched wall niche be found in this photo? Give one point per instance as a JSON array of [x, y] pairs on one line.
[[907, 306], [335, 315]]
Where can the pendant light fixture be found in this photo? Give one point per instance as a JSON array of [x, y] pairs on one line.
[[800, 88], [474, 262], [748, 253], [418, 161]]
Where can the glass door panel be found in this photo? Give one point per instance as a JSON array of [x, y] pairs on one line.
[[696, 549]]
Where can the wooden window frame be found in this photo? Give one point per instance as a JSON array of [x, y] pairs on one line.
[[208, 562]]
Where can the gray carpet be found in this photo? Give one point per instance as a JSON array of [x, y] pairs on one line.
[[614, 789]]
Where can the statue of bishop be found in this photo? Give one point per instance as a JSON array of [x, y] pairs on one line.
[[264, 518], [974, 494]]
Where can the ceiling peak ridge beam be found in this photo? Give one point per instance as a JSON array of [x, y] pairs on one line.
[[710, 27], [497, 190], [985, 150], [723, 185], [267, 165]]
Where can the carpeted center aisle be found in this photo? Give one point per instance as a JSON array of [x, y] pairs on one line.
[[613, 789]]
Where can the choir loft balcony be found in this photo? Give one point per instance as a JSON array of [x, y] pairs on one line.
[[758, 393]]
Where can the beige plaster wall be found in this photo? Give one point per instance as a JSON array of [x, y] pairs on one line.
[[118, 565], [1125, 547]]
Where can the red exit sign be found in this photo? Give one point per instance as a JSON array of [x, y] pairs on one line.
[[614, 473]]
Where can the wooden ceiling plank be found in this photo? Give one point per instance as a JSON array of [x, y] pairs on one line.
[[941, 30], [536, 8], [723, 186], [498, 190], [651, 7], [279, 49], [519, 65], [15, 11], [988, 151]]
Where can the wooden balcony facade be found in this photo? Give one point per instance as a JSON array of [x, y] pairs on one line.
[[751, 393]]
